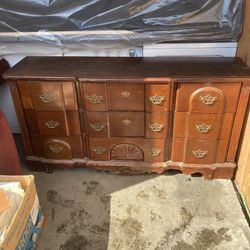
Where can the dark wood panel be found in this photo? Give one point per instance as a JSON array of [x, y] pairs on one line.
[[125, 97], [126, 68]]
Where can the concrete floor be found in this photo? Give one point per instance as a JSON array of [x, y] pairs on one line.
[[87, 209]]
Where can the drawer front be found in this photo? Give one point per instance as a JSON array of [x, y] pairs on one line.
[[208, 98], [94, 96], [57, 147], [203, 126], [62, 123], [126, 123], [157, 97], [125, 96], [157, 125], [199, 151], [128, 149], [99, 149], [48, 95], [97, 123], [52, 123]]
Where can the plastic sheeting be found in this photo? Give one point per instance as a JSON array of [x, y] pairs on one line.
[[120, 22]]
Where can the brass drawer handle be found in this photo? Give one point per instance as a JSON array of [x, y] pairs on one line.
[[126, 122], [208, 99], [199, 153], [203, 128], [156, 127], [156, 99], [99, 150], [154, 152], [95, 99], [55, 148], [125, 94], [98, 126], [47, 97], [51, 124]]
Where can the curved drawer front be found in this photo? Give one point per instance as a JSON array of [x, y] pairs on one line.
[[94, 96], [57, 147], [199, 151], [97, 123], [47, 95], [128, 149], [207, 97], [61, 123], [157, 97], [203, 126], [157, 125]]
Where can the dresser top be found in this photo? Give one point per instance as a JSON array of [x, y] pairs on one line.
[[105, 68]]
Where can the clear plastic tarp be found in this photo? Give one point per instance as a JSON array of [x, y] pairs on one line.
[[106, 23]]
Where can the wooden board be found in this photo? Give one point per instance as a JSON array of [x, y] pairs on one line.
[[242, 178]]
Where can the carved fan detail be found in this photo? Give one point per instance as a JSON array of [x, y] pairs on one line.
[[126, 152]]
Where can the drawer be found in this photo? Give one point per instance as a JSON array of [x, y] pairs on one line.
[[207, 97], [62, 123], [57, 147], [199, 151], [48, 95], [97, 123], [203, 126], [125, 96], [157, 125], [128, 149], [126, 123], [157, 97], [94, 96]]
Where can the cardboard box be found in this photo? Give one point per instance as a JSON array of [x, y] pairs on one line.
[[27, 223]]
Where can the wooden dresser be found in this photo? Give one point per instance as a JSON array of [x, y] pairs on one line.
[[131, 115]]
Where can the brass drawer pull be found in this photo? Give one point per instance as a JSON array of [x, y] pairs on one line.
[[156, 99], [51, 124], [125, 94], [47, 97], [208, 99], [95, 99], [99, 150], [98, 126], [55, 148], [156, 127], [154, 152], [126, 122], [203, 128], [199, 153]]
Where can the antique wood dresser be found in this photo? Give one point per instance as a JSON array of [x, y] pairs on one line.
[[131, 115]]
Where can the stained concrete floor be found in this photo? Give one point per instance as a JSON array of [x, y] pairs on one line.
[[93, 210]]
